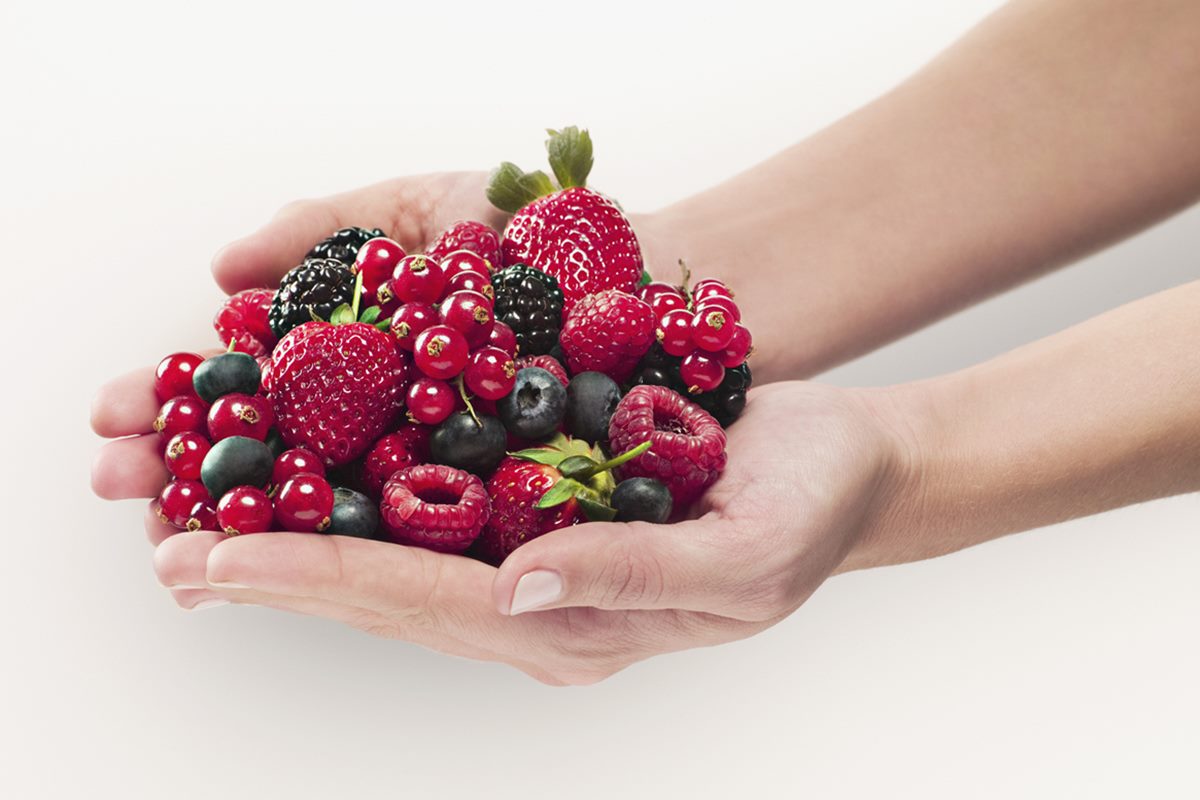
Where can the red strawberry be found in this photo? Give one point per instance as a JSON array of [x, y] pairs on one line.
[[548, 363], [576, 234], [336, 387], [607, 332], [243, 319], [467, 235]]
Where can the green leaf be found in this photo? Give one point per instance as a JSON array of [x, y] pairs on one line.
[[560, 493], [540, 455], [597, 512], [511, 189], [370, 316], [342, 315], [642, 281], [384, 325], [570, 152]]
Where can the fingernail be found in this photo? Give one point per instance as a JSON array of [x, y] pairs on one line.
[[228, 585], [535, 590], [182, 586], [203, 604]]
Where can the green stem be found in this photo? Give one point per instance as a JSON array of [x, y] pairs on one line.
[[358, 284], [613, 463], [462, 392]]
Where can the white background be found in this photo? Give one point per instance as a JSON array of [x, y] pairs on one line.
[[137, 139]]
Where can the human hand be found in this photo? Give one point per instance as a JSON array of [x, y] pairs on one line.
[[811, 468]]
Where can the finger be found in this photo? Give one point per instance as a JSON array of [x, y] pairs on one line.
[[126, 405], [157, 531], [132, 467], [688, 565], [180, 561], [197, 599]]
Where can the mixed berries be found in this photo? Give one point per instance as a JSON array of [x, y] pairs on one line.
[[467, 398]]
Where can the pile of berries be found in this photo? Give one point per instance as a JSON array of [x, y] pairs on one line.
[[467, 398]]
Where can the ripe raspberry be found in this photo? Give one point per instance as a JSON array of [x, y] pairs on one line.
[[243, 319], [687, 450], [435, 507], [548, 363], [407, 447], [467, 235], [607, 332]]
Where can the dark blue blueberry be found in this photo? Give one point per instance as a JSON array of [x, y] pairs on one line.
[[642, 499], [236, 461], [592, 398], [226, 374], [463, 443], [353, 515], [535, 406]]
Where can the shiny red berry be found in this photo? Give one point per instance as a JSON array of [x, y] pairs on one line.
[[712, 328], [376, 260], [245, 509], [407, 447], [173, 378], [701, 372], [674, 332], [466, 261], [490, 373], [180, 414], [723, 303], [647, 292], [709, 287], [738, 348], [418, 279], [182, 503], [666, 301], [441, 352], [408, 322], [240, 415], [470, 313], [503, 337], [304, 503], [185, 453], [294, 462], [429, 401], [469, 281]]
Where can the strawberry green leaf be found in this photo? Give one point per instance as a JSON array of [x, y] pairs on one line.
[[570, 152], [511, 189], [540, 455], [342, 315], [370, 316], [384, 325], [597, 512], [566, 489], [642, 281]]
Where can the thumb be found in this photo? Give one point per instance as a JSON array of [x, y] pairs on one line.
[[638, 565]]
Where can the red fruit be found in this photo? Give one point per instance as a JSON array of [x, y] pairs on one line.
[[607, 332], [418, 279], [173, 378], [206, 518], [185, 453], [660, 304], [434, 506], [738, 348], [701, 372], [467, 261], [468, 281], [712, 328], [264, 367], [548, 363], [182, 503], [468, 235], [470, 313], [710, 287], [490, 373], [385, 298], [407, 447], [647, 292], [245, 509], [294, 462], [304, 504], [674, 332], [429, 401], [514, 490], [722, 303], [408, 322], [376, 260], [337, 388], [243, 320], [240, 415], [440, 352], [503, 337], [687, 450], [181, 414]]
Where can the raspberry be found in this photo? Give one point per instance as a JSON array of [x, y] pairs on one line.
[[407, 447], [687, 450], [607, 332], [243, 319], [548, 363], [434, 506], [467, 235]]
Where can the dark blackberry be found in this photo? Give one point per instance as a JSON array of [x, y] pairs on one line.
[[530, 302], [317, 286], [343, 245], [726, 402]]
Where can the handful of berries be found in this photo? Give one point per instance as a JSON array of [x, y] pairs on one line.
[[466, 399]]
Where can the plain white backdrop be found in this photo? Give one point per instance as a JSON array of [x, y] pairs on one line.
[[139, 138]]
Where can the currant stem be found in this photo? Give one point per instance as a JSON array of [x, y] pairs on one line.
[[462, 392], [358, 285]]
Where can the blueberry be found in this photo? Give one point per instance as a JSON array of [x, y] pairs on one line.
[[353, 515], [236, 461], [535, 406], [276, 443], [592, 398], [642, 499], [462, 443], [227, 373]]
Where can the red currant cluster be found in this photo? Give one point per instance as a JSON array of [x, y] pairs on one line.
[[703, 327], [442, 313]]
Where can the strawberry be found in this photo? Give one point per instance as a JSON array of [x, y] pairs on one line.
[[337, 386], [569, 231], [477, 237], [607, 332]]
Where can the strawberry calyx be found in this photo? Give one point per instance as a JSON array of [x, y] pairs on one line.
[[570, 154], [585, 475]]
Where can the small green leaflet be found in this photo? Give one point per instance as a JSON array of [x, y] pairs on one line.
[[597, 512], [560, 493], [541, 455]]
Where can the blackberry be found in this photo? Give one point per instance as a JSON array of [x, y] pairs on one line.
[[726, 402], [317, 286], [530, 302], [343, 245]]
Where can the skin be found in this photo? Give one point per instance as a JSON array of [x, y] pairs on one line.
[[1052, 129]]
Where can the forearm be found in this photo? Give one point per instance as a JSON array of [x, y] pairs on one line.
[[1051, 130], [1103, 415]]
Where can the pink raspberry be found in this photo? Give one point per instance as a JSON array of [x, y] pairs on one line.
[[243, 319], [607, 332], [687, 446], [467, 235], [435, 507]]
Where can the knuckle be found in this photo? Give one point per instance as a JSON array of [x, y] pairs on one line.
[[629, 578]]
